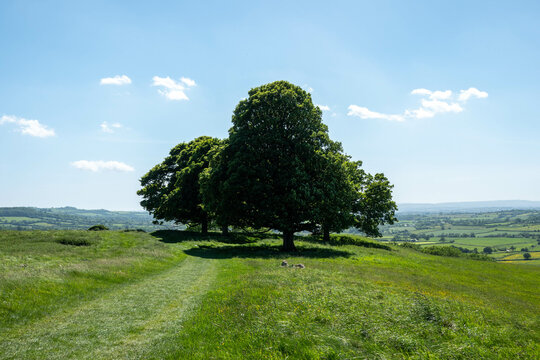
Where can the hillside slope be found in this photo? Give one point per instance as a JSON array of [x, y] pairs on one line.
[[182, 296]]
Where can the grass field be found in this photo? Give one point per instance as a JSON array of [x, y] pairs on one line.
[[178, 295]]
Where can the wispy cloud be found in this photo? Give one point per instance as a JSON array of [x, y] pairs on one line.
[[28, 127], [188, 81], [365, 113], [434, 102], [100, 165], [465, 95], [324, 107], [173, 90], [109, 128], [116, 80]]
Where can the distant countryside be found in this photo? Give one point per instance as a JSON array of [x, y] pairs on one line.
[[504, 235]]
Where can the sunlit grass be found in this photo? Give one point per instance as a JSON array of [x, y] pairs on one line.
[[185, 296]]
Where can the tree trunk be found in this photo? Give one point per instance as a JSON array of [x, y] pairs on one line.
[[288, 241], [204, 225], [326, 234], [225, 230]]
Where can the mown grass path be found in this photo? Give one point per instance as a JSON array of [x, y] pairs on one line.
[[126, 322]]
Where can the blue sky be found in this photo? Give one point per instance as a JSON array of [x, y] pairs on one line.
[[74, 131]]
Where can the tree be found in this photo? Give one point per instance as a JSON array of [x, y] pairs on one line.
[[266, 173], [335, 192], [526, 256], [373, 205], [487, 250], [171, 190], [280, 170]]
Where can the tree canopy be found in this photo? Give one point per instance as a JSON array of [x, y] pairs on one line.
[[171, 190], [266, 170], [278, 169]]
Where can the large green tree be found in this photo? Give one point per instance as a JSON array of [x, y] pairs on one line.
[[171, 190], [350, 197], [373, 205], [266, 173]]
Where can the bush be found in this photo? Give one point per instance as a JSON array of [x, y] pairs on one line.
[[526, 256], [353, 240], [451, 251], [442, 251], [411, 246], [75, 239], [487, 250], [98, 227]]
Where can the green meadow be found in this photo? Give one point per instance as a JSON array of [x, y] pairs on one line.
[[180, 295]]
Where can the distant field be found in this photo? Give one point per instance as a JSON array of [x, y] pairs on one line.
[[15, 218], [500, 230], [534, 255], [179, 295], [69, 218]]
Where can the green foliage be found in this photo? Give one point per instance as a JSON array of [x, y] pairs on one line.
[[171, 190], [280, 170], [450, 251], [265, 173], [341, 239], [526, 256], [374, 206], [487, 250], [98, 227], [442, 251]]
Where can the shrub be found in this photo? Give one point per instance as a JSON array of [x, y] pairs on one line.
[[487, 250], [527, 256], [411, 246], [98, 227], [353, 240], [75, 239], [442, 251]]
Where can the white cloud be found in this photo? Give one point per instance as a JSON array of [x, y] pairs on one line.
[[438, 106], [464, 95], [188, 81], [421, 92], [324, 107], [420, 113], [28, 127], [433, 95], [430, 106], [109, 128], [99, 165], [116, 80], [441, 95], [174, 90], [365, 113]]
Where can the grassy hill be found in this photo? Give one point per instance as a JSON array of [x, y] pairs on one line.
[[178, 295]]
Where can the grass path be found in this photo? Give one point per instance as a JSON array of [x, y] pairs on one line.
[[126, 322]]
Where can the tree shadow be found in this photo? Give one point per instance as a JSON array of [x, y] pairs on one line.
[[178, 236], [266, 251]]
